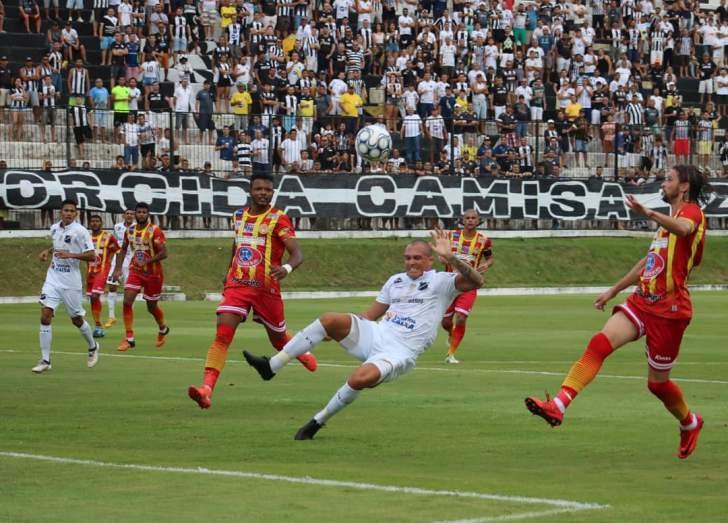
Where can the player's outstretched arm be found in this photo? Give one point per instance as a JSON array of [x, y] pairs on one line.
[[678, 226], [628, 279], [375, 311], [469, 278], [87, 256]]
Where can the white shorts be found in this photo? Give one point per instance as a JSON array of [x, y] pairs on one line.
[[705, 86], [72, 299], [367, 343], [124, 271], [536, 114]]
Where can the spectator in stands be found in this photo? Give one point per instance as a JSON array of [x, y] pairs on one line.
[[181, 104], [79, 120], [119, 52], [204, 109], [290, 151], [30, 14], [226, 146], [108, 27], [18, 102], [48, 98], [130, 135], [6, 84], [260, 152], [72, 43], [120, 97]]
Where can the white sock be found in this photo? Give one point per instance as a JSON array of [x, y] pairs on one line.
[[338, 401], [300, 344], [560, 405], [111, 301], [85, 330], [46, 335]]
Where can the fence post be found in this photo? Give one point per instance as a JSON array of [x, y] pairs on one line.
[[172, 131], [538, 143], [270, 144], [68, 141], [616, 152]]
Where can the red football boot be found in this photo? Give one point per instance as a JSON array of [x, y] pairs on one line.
[[546, 409], [201, 395], [689, 438], [308, 360]]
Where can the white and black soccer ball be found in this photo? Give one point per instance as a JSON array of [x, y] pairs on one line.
[[373, 143]]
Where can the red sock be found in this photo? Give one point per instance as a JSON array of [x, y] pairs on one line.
[[129, 321], [586, 368], [456, 336], [96, 309], [672, 397], [217, 354], [159, 316]]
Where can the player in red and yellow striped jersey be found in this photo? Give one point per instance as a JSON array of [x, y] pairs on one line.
[[476, 249], [98, 270], [149, 248], [262, 235], [659, 309]]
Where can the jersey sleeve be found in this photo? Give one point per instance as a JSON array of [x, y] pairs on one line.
[[284, 228], [693, 214], [114, 246], [487, 249], [446, 284], [384, 296], [84, 241], [159, 238]]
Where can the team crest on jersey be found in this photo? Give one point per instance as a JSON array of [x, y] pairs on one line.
[[67, 238], [398, 280], [422, 286], [141, 257], [248, 257], [653, 267]]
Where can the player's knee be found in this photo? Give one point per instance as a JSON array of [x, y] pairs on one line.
[[77, 321], [224, 334], [460, 319], [329, 321], [656, 387], [151, 305]]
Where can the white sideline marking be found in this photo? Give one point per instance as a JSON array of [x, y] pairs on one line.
[[514, 517], [562, 504], [431, 369]]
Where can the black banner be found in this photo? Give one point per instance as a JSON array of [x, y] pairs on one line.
[[338, 195]]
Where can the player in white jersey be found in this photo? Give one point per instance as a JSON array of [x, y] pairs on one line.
[[63, 284], [111, 297], [410, 306]]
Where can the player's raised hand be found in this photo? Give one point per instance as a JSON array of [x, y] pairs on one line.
[[441, 243], [636, 206]]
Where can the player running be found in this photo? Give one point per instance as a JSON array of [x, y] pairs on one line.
[[262, 234], [471, 246], [410, 305], [659, 309], [119, 232], [71, 245], [106, 246], [149, 248]]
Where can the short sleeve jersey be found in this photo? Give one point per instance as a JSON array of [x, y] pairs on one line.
[[106, 246], [144, 242], [119, 233], [472, 250], [259, 246], [74, 238], [662, 288], [416, 307]]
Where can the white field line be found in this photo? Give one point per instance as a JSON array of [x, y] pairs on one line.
[[430, 369], [562, 504], [514, 517]]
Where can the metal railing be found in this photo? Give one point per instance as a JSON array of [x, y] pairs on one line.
[[190, 141]]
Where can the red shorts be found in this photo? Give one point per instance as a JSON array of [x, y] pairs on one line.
[[151, 283], [96, 282], [682, 147], [463, 303], [267, 308], [663, 335]]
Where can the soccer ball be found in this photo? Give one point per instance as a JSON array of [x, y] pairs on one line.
[[373, 143]]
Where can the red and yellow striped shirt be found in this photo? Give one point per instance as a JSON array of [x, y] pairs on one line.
[[105, 245], [662, 289], [144, 243], [471, 250], [259, 246]]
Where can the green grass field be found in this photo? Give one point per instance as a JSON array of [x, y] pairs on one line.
[[442, 428], [540, 262]]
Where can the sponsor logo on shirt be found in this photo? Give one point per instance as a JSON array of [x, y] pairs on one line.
[[248, 257], [654, 266], [403, 321]]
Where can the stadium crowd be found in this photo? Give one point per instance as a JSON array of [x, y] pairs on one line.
[[468, 87]]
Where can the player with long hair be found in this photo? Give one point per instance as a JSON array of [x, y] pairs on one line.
[[660, 308]]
